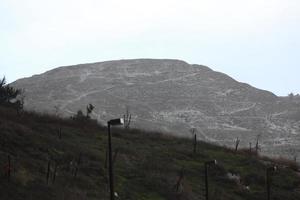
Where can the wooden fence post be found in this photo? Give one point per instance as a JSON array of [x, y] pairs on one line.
[[9, 167], [77, 165], [54, 173], [48, 172], [237, 142]]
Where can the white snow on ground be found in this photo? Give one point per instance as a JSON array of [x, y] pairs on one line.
[[173, 79], [242, 109], [179, 115], [84, 75], [288, 127], [273, 126], [280, 113], [81, 95], [279, 141], [49, 97], [193, 117], [224, 93], [234, 128], [206, 138], [137, 74]]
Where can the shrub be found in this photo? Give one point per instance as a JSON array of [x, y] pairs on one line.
[[10, 96]]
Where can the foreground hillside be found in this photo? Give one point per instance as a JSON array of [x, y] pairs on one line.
[[147, 165]]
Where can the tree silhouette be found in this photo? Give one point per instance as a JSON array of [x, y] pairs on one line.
[[9, 95], [89, 110]]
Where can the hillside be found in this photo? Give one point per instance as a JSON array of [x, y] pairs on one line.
[[147, 164], [170, 96]]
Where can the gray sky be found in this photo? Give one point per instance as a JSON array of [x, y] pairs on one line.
[[253, 41]]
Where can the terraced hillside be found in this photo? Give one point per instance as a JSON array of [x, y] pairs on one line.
[[170, 96]]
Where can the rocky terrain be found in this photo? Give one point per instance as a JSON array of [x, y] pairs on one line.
[[171, 96]]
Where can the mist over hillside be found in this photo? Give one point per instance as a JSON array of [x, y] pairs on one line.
[[171, 96]]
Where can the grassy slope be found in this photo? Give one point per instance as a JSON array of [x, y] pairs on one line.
[[146, 167]]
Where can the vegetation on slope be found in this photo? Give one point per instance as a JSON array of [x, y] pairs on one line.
[[147, 165]]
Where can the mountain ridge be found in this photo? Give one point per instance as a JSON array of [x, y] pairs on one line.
[[164, 94]]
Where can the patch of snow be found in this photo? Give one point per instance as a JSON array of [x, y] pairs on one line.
[[84, 76], [242, 109], [173, 79], [234, 128], [225, 93], [278, 114], [136, 74], [179, 115]]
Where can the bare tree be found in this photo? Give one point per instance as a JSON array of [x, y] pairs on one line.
[[57, 110], [257, 148], [127, 118], [20, 102], [194, 134], [237, 142], [179, 183], [291, 96], [11, 96], [89, 110]]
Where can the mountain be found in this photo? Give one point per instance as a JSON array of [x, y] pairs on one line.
[[170, 96]]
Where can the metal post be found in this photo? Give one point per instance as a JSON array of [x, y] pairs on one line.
[[9, 167], [206, 181], [206, 165], [48, 172], [110, 167], [195, 143], [269, 172], [54, 173], [268, 184], [59, 133]]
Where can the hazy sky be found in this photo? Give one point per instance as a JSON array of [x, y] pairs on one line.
[[254, 41]]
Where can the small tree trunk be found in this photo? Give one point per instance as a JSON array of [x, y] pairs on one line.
[[59, 133], [48, 172], [256, 147], [106, 160], [9, 167], [115, 156], [195, 143], [54, 173], [77, 165], [237, 142], [179, 180]]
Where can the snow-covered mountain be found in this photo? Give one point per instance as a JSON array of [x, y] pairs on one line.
[[171, 96]]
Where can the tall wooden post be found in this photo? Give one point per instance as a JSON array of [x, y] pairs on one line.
[[48, 172], [195, 143], [269, 171], [206, 181], [206, 165], [9, 167], [110, 167], [268, 185], [54, 173]]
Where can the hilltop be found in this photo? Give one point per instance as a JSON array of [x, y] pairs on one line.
[[147, 164], [170, 96]]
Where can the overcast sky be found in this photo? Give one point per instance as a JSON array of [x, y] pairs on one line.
[[254, 41]]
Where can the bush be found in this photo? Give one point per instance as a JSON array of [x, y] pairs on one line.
[[10, 96]]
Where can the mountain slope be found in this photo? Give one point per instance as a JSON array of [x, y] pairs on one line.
[[165, 95]]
